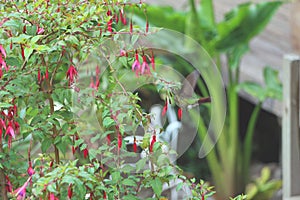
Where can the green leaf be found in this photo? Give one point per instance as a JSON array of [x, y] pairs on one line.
[[108, 122], [46, 144], [235, 55], [141, 164], [5, 105], [129, 182], [273, 84], [243, 23], [28, 52], [163, 16], [156, 185], [254, 90]]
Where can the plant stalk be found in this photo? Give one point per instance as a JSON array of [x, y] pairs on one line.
[[248, 140], [2, 179]]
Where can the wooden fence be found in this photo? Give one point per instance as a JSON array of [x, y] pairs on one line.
[[290, 128]]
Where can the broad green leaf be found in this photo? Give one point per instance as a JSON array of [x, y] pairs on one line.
[[253, 89], [156, 185], [235, 55], [273, 84], [163, 16], [129, 182], [5, 105], [243, 23], [28, 52], [46, 145]]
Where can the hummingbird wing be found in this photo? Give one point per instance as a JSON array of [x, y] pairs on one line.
[[189, 84]]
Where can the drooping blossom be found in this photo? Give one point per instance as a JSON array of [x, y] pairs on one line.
[[70, 191], [165, 108], [8, 185], [30, 170], [22, 52], [2, 51], [21, 191], [136, 66], [153, 61], [109, 23], [134, 145], [153, 140], [52, 197], [131, 27], [71, 74], [179, 113], [147, 26], [40, 30], [123, 17], [108, 138], [119, 141], [145, 69], [85, 152]]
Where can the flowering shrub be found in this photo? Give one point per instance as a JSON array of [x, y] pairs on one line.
[[63, 101]]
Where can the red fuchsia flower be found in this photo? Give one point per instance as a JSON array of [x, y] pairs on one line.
[[47, 74], [179, 113], [70, 191], [109, 23], [147, 26], [71, 74], [131, 27], [134, 145], [85, 153], [136, 66], [39, 76], [123, 17], [22, 52], [119, 141], [145, 67], [152, 143], [153, 61], [123, 53], [8, 185], [104, 195], [108, 138], [165, 108]]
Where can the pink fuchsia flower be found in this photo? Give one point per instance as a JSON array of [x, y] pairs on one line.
[[145, 67], [52, 197], [136, 66], [40, 30], [21, 191], [71, 74], [30, 170], [2, 51]]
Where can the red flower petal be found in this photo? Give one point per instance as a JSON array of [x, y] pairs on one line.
[[179, 113]]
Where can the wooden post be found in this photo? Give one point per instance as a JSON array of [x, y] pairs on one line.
[[290, 128]]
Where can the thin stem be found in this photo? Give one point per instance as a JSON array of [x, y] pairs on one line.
[[54, 130], [248, 140], [2, 179]]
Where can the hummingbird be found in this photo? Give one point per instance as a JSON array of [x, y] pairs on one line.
[[186, 97]]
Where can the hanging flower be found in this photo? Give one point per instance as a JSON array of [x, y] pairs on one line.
[[52, 197], [40, 30], [153, 61], [2, 51], [145, 67], [152, 143], [85, 153], [136, 66], [165, 108], [109, 23], [70, 191], [134, 145], [71, 74], [179, 113], [8, 185], [108, 138], [119, 141], [123, 17], [21, 191]]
